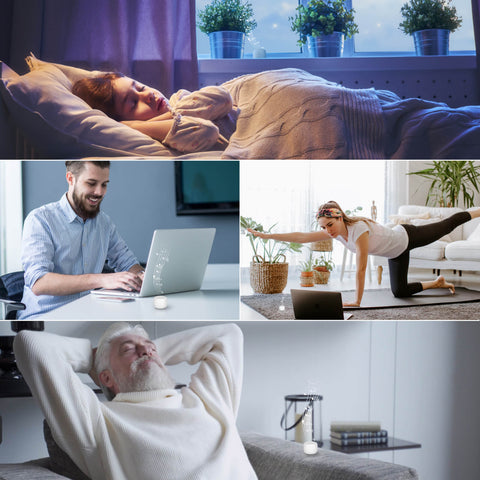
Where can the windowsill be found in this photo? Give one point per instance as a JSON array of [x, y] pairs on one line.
[[412, 62]]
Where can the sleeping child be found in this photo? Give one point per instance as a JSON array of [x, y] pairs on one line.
[[187, 122]]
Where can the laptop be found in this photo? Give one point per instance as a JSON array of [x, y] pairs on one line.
[[176, 262], [317, 305]]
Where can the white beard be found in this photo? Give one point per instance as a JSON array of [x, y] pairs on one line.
[[144, 378]]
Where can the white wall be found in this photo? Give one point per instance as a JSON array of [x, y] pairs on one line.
[[418, 378]]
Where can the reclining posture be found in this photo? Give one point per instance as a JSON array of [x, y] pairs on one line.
[[150, 428]]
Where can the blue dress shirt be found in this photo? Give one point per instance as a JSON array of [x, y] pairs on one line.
[[56, 239]]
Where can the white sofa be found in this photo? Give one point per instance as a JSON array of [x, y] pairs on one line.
[[459, 251]]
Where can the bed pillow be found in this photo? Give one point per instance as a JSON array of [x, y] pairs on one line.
[[58, 124]]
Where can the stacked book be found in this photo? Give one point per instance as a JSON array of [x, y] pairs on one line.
[[347, 434]]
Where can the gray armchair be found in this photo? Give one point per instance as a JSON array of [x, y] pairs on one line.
[[271, 458]]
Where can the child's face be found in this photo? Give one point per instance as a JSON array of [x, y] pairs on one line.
[[134, 101]]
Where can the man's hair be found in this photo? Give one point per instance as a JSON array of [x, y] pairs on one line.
[[99, 93], [102, 355], [77, 166]]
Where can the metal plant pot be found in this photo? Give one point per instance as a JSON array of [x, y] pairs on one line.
[[431, 42], [227, 44], [326, 45]]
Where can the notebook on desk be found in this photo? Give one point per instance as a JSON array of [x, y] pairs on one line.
[[177, 261], [318, 305]]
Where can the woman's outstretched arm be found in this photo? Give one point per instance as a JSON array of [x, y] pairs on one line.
[[298, 237], [361, 261]]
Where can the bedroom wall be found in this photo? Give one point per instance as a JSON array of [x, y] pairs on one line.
[[140, 198], [417, 378]]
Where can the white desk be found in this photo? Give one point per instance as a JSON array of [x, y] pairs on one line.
[[218, 299]]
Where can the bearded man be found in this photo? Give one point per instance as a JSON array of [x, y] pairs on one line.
[[151, 429], [65, 244]]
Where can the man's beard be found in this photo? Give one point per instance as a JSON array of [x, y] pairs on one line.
[[143, 378], [82, 208]]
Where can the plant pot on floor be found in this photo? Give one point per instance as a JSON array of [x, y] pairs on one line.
[[322, 245], [434, 41], [227, 44], [306, 279], [321, 275], [326, 45], [266, 277]]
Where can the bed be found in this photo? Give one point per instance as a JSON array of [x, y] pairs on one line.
[[284, 114]]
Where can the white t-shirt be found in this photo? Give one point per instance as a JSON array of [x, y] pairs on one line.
[[383, 241]]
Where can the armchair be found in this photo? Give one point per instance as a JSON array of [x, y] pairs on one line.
[[11, 292]]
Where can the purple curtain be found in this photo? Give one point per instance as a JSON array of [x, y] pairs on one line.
[[150, 40]]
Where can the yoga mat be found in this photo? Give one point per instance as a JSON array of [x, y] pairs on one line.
[[383, 298], [465, 307]]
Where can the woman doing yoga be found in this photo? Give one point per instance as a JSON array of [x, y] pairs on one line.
[[364, 236], [187, 122]]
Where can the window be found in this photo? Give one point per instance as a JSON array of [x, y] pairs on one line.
[[378, 22], [287, 194]]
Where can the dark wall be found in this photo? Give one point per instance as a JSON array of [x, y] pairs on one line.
[[140, 199]]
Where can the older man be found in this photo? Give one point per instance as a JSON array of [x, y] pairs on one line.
[[150, 429], [65, 244]]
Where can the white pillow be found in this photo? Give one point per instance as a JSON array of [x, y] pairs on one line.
[[475, 235], [399, 219], [59, 124]]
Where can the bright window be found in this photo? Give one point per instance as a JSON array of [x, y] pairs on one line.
[[378, 22], [288, 193]]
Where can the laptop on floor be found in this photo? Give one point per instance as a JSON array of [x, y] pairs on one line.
[[317, 305], [177, 261]]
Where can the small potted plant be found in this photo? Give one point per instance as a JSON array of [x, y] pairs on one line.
[[321, 269], [430, 22], [323, 26], [306, 273], [268, 268], [320, 245], [226, 22]]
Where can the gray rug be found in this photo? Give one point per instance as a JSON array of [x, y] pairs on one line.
[[279, 307]]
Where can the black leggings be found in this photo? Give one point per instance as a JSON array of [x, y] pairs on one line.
[[418, 236]]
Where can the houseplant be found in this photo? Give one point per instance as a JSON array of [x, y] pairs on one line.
[[306, 272], [451, 181], [268, 268], [323, 25], [226, 22], [321, 269], [430, 22]]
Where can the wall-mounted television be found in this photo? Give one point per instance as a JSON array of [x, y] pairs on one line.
[[207, 187]]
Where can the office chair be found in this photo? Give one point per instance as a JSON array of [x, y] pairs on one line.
[[11, 292]]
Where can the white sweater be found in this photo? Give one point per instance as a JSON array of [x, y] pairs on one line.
[[163, 434]]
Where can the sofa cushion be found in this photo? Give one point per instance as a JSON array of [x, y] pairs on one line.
[[277, 459], [467, 250], [475, 235], [434, 251], [60, 462]]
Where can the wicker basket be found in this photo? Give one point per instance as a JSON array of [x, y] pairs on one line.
[[266, 277], [322, 245], [321, 277]]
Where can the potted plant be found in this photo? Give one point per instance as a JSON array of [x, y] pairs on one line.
[[268, 268], [450, 181], [321, 269], [323, 26], [226, 22], [430, 22], [306, 273]]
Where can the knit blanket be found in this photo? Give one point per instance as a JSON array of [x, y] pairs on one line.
[[289, 113]]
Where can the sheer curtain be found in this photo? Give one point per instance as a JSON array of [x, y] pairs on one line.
[[287, 194], [151, 40]]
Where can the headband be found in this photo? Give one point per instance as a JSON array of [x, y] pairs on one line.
[[330, 213]]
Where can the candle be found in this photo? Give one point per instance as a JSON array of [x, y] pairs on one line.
[[160, 302]]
